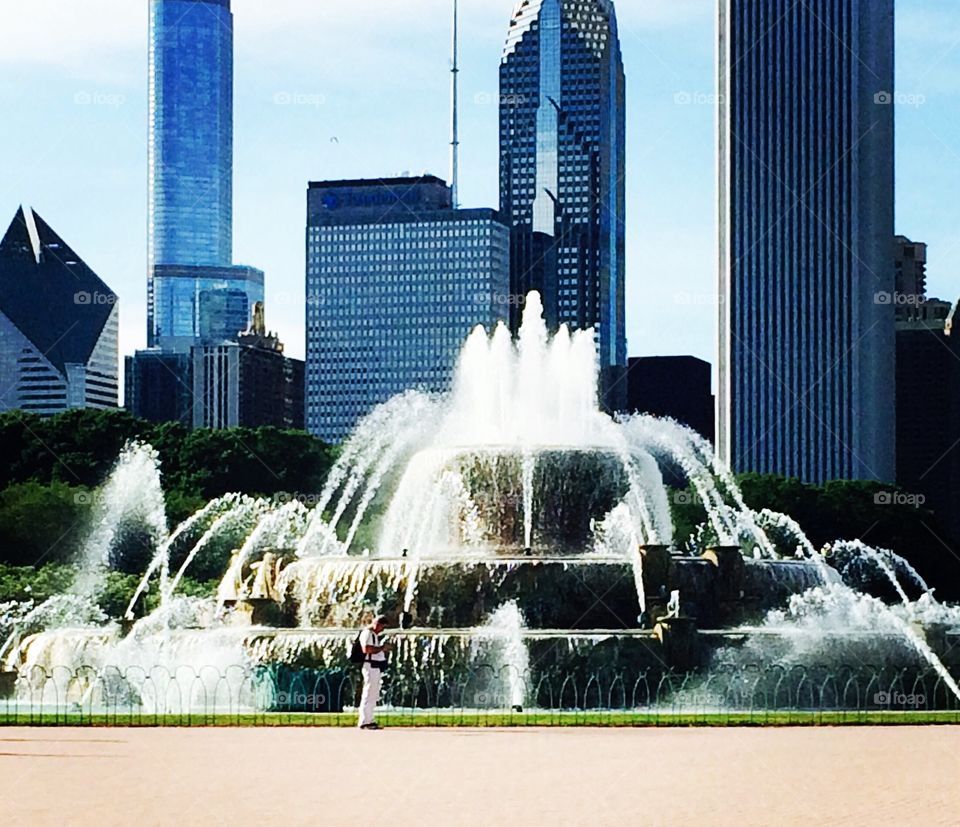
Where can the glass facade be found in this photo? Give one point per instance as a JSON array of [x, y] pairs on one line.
[[806, 147], [190, 136], [203, 305], [396, 280], [58, 324], [562, 190]]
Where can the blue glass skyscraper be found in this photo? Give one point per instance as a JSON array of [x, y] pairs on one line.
[[562, 191], [806, 147], [190, 137], [196, 297]]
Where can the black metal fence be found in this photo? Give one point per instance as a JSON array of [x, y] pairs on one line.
[[276, 695]]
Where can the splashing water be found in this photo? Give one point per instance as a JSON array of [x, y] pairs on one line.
[[506, 513], [506, 651], [132, 494]]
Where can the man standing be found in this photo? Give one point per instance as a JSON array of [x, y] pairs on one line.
[[375, 661]]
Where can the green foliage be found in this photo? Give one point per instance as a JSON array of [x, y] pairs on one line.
[[851, 510], [79, 448], [22, 583], [41, 523]]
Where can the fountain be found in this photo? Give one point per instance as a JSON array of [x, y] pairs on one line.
[[512, 529]]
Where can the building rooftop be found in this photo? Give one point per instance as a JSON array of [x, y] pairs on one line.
[[379, 182], [49, 293]]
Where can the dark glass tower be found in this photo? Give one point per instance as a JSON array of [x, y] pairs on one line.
[[190, 137], [806, 149], [562, 192]]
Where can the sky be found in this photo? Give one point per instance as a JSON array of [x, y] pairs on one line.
[[348, 89]]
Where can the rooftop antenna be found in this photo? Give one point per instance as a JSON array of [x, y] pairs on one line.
[[455, 126]]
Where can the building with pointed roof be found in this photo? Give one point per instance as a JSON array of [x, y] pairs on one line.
[[562, 171], [58, 324]]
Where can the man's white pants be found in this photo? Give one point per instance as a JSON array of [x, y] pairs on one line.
[[370, 695]]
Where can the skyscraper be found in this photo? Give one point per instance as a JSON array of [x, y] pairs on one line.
[[562, 191], [396, 281], [58, 324], [806, 176], [191, 132], [190, 209], [196, 297]]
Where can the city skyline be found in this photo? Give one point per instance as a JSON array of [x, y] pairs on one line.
[[294, 125]]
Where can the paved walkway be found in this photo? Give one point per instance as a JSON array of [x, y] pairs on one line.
[[411, 778]]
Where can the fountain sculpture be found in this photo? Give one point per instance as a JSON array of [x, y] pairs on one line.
[[509, 524]]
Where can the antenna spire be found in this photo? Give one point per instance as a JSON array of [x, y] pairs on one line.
[[455, 126]]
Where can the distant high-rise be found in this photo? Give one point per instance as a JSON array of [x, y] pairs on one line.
[[396, 280], [806, 150], [928, 408], [910, 286], [58, 324], [190, 210], [159, 386], [562, 188], [678, 387], [247, 383]]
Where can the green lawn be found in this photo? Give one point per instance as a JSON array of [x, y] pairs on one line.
[[492, 719]]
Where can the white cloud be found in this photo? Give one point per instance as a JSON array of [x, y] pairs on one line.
[[92, 39]]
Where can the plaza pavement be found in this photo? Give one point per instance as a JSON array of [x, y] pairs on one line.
[[412, 778]]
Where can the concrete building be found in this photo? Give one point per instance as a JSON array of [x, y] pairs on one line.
[[396, 280], [58, 324], [910, 276], [247, 383], [806, 150]]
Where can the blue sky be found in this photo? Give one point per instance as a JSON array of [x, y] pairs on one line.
[[341, 88]]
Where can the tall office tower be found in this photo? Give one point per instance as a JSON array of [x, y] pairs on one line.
[[58, 324], [562, 191], [806, 182], [190, 138], [396, 281]]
